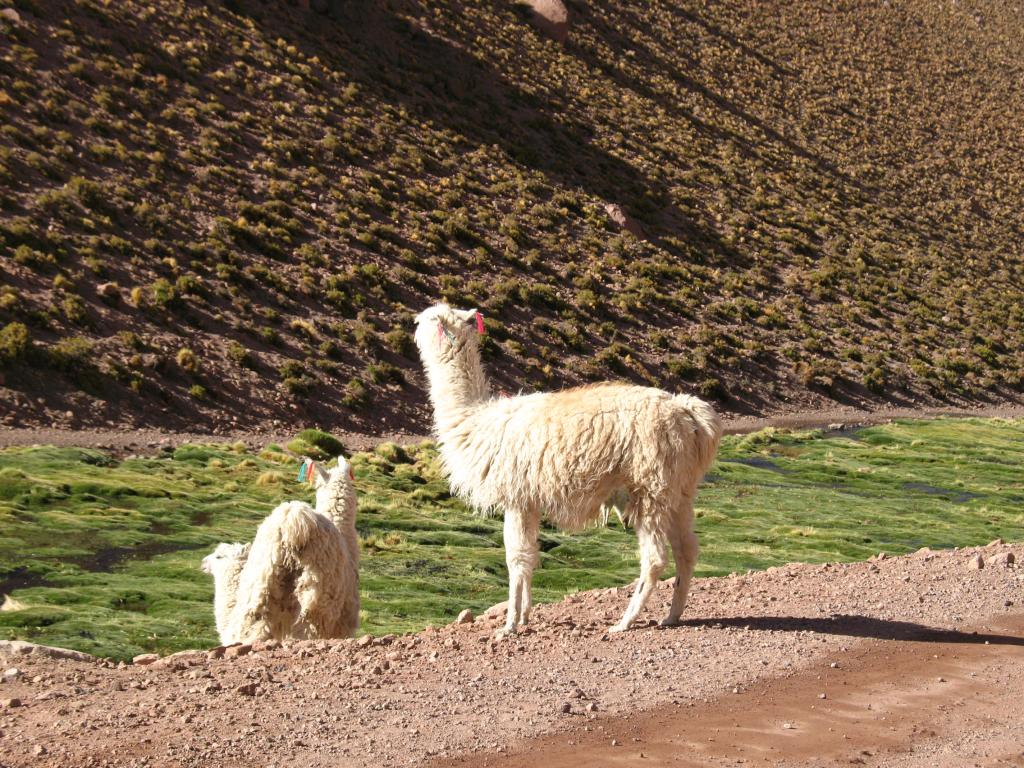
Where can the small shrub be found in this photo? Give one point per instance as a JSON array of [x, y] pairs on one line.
[[271, 477], [239, 355], [355, 394], [14, 343], [163, 293], [73, 353], [710, 388], [198, 391], [74, 310], [875, 380], [393, 453], [187, 360], [316, 444]]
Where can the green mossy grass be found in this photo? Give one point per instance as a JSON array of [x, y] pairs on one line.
[[105, 554]]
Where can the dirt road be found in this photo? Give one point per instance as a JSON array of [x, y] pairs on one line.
[[931, 698], [147, 441], [928, 669]]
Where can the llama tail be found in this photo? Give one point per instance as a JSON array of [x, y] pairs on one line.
[[295, 523], [709, 427]]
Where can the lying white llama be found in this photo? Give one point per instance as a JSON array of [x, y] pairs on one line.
[[299, 578], [561, 455]]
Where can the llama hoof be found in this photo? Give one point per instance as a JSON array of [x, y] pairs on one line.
[[505, 632], [669, 622], [620, 627]]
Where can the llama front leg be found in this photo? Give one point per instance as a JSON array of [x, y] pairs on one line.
[[652, 563], [685, 548], [521, 558]]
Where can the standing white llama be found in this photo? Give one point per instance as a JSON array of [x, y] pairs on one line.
[[299, 579], [561, 455]]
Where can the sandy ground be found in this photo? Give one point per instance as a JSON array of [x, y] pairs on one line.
[[147, 441], [920, 660]]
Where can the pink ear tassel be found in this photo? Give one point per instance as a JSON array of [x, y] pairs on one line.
[[440, 330], [479, 323]]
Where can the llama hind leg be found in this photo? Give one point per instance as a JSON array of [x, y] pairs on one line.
[[521, 558], [652, 563], [685, 548]]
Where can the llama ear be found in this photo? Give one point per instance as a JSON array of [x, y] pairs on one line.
[[465, 315], [344, 466], [321, 474]]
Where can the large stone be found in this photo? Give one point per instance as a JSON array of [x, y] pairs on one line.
[[465, 617], [1004, 559], [22, 648], [549, 16], [237, 651], [497, 611], [622, 220]]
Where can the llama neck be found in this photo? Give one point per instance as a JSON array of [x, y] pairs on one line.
[[225, 588], [338, 503], [456, 387]]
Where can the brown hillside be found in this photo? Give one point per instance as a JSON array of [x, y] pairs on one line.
[[228, 214]]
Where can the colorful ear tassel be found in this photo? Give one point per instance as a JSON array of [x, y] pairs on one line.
[[479, 323], [443, 333], [304, 470]]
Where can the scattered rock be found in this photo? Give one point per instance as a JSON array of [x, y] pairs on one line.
[[623, 220], [364, 641], [592, 707], [12, 674], [247, 689], [23, 648], [497, 611], [465, 617], [1004, 559], [549, 16], [237, 651], [145, 658], [822, 696], [38, 749], [995, 543], [211, 687], [9, 703], [566, 707], [109, 292], [50, 695], [788, 726], [976, 563], [11, 15], [185, 658], [215, 653]]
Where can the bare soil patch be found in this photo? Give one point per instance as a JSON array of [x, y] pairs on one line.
[[754, 654]]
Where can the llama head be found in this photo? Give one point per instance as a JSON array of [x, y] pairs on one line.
[[224, 557], [331, 478], [442, 332]]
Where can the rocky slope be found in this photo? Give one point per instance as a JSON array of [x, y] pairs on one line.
[[228, 213]]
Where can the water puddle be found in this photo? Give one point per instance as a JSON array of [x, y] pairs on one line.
[[758, 462], [957, 497], [103, 561]]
